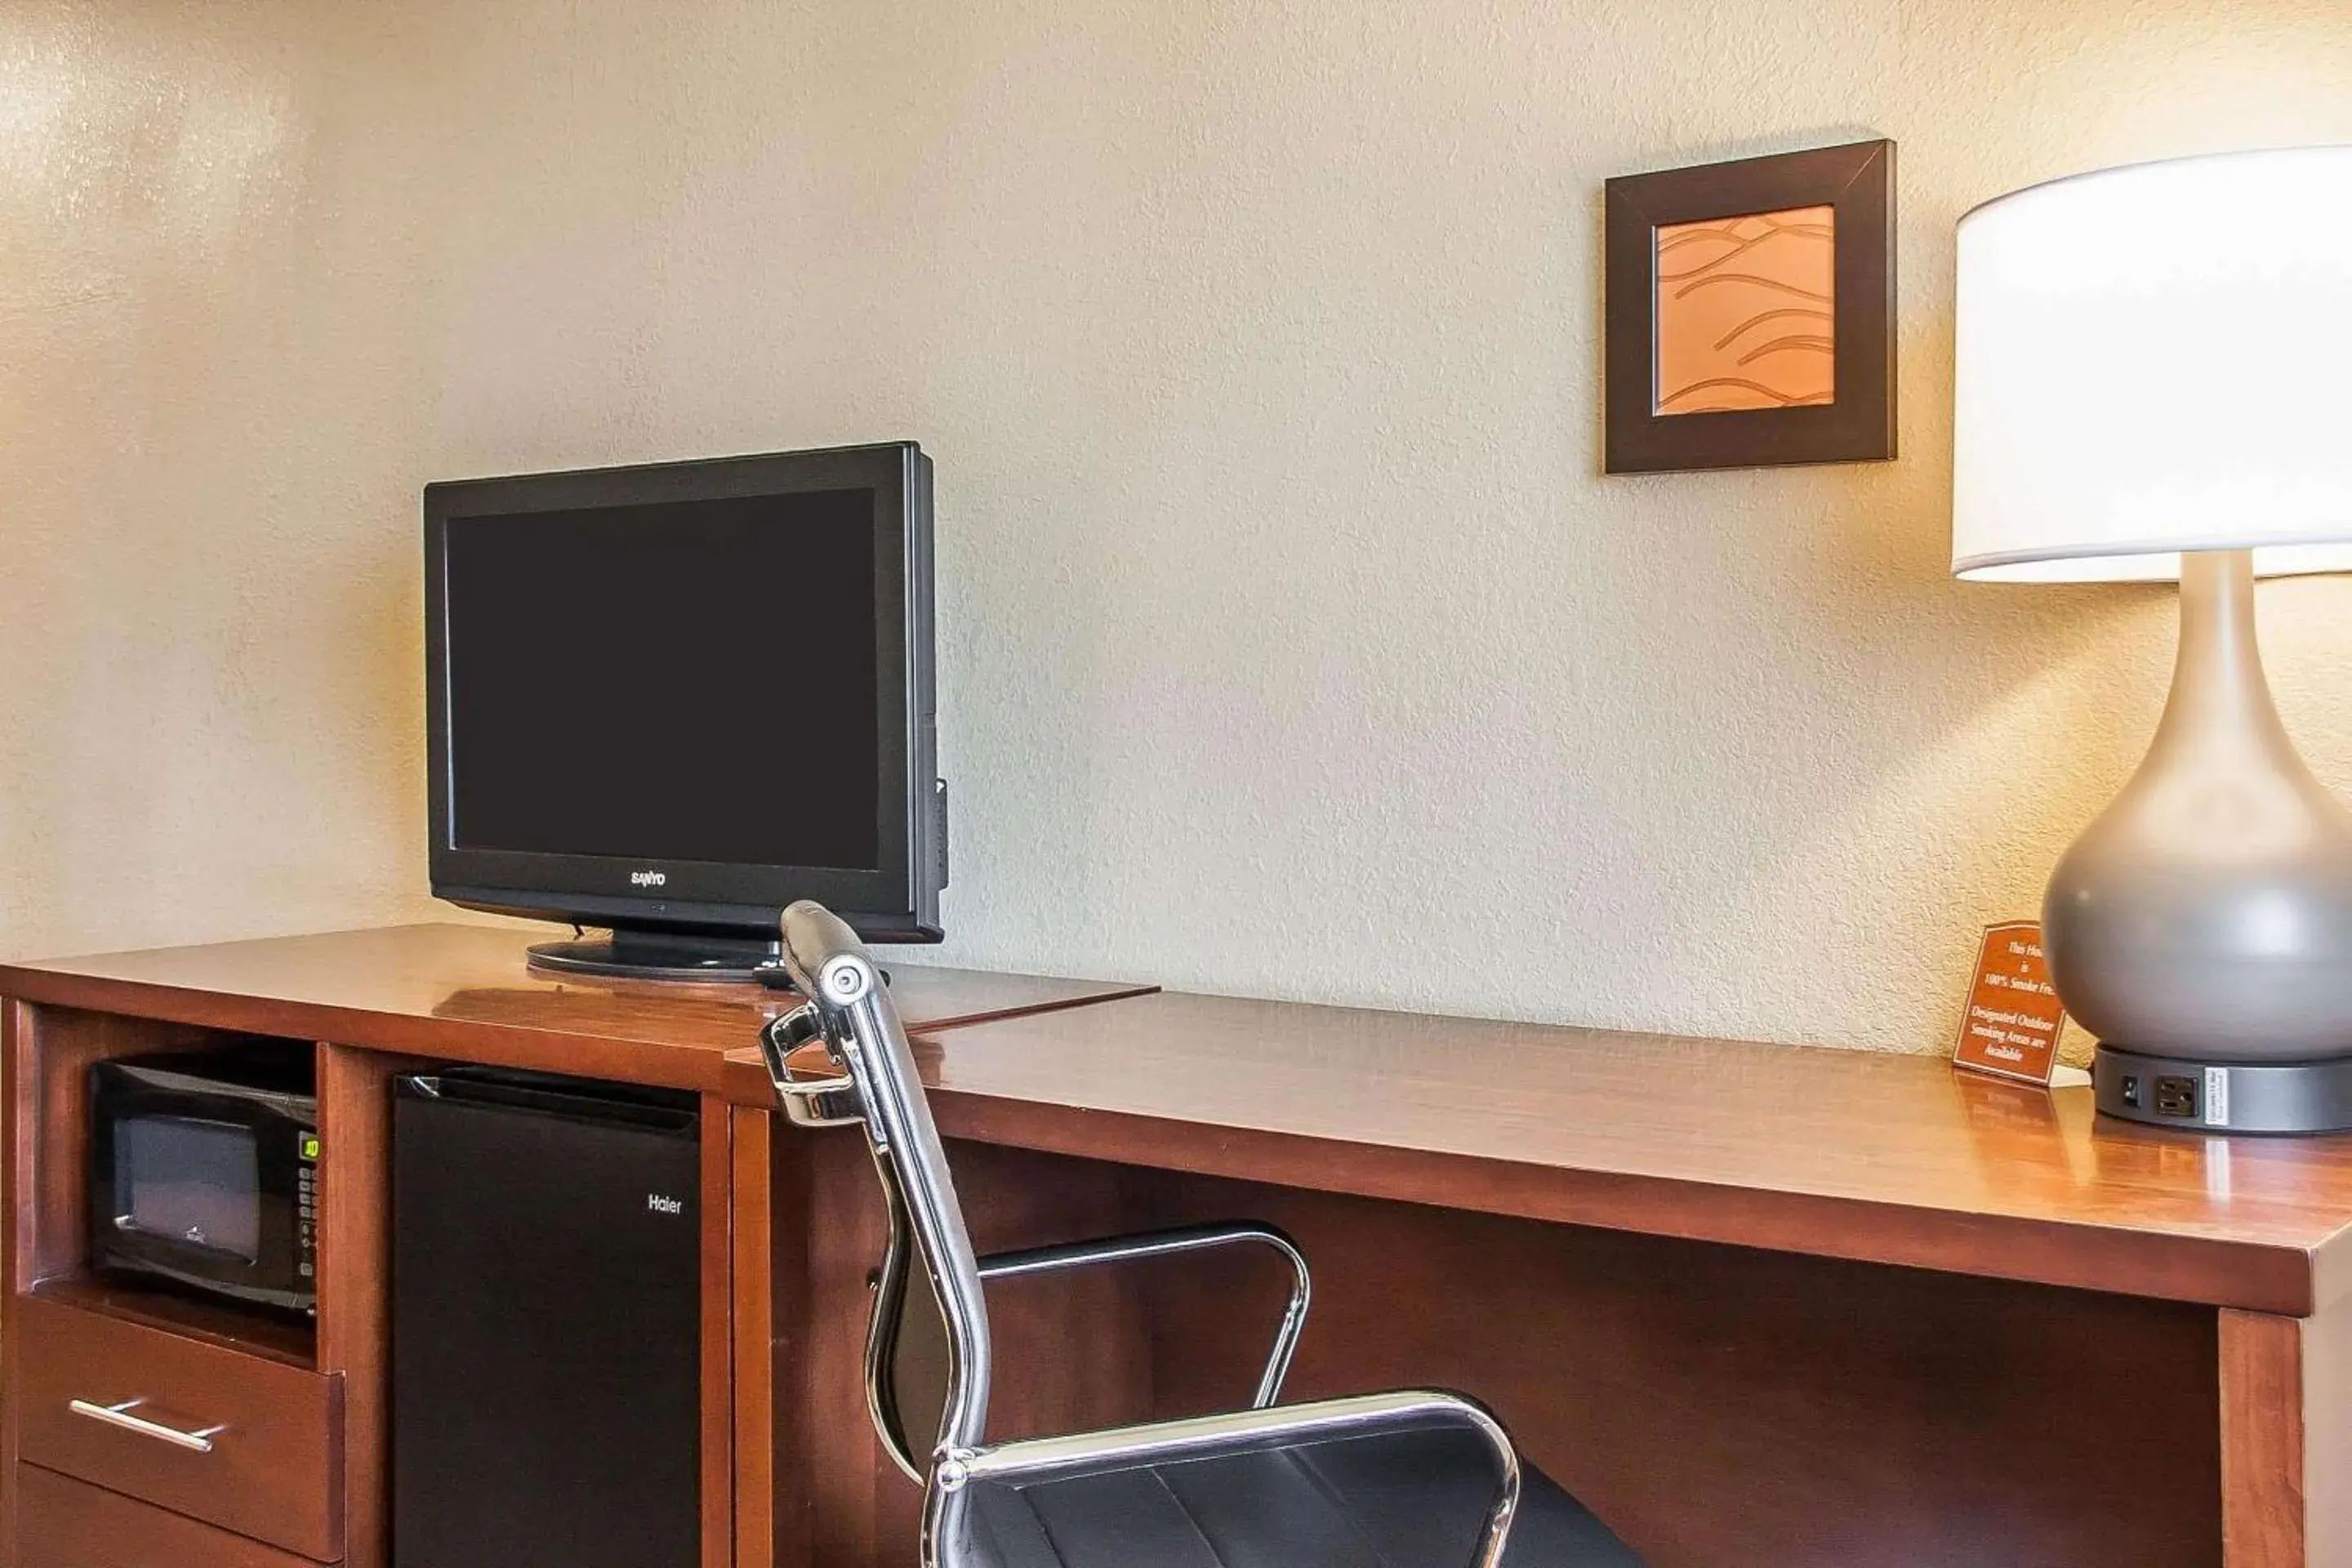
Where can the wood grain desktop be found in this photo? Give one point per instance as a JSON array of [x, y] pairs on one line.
[[463, 992], [1755, 1304], [1878, 1157]]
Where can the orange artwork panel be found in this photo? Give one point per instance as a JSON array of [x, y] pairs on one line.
[[1747, 311]]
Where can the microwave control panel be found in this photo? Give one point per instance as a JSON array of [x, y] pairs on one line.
[[306, 1193]]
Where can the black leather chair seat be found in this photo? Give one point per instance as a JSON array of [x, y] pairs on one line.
[[1416, 1499]]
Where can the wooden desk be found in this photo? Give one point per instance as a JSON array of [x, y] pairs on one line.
[[1880, 1158], [1758, 1305], [2173, 1368]]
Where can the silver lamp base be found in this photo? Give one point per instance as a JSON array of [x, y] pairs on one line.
[[2224, 1096], [2203, 922]]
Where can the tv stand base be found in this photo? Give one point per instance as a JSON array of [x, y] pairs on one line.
[[641, 955]]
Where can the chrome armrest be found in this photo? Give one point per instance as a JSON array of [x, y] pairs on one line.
[[1167, 1244], [829, 1100], [1217, 1437]]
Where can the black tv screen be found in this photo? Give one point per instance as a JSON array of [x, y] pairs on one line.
[[676, 698], [538, 762]]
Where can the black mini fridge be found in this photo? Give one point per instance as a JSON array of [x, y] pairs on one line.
[[545, 1275]]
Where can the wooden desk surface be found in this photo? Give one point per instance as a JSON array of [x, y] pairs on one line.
[[463, 991], [1889, 1158]]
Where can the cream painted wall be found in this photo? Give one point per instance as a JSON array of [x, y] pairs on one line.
[[1291, 642]]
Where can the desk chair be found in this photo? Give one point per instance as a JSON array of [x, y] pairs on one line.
[[1418, 1478]]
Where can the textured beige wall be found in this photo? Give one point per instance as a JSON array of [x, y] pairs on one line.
[[1291, 642]]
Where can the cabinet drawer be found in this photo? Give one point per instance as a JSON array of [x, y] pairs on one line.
[[259, 1443], [65, 1524]]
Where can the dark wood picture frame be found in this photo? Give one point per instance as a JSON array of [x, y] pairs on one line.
[[1857, 181]]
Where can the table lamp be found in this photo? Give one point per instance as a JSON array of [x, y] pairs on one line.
[[2154, 383]]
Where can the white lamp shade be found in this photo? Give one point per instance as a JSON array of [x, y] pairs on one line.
[[2153, 360]]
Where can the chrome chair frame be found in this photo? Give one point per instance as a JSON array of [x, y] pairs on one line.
[[875, 1085]]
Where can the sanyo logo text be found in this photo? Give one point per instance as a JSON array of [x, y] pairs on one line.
[[656, 1204], [648, 878]]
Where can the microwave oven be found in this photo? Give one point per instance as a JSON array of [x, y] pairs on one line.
[[203, 1173]]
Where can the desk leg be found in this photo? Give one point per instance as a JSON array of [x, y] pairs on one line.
[[2286, 1439], [718, 1225], [18, 1133], [354, 1279], [763, 1305]]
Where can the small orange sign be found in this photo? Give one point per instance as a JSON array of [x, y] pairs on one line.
[[2014, 1016]]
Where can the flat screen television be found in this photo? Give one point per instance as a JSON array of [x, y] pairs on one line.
[[667, 700]]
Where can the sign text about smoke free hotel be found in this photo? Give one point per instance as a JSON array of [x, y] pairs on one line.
[[2014, 1014]]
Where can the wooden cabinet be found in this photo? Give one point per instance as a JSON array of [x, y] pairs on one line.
[[236, 1440], [65, 1524], [294, 1414]]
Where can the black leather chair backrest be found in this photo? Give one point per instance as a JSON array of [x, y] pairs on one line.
[[927, 1362]]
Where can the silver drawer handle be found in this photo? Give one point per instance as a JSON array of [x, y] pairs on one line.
[[120, 1415]]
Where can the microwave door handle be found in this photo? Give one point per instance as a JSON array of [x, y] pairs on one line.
[[120, 1415]]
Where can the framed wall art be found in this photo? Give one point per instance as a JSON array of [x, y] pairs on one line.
[[1751, 313]]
